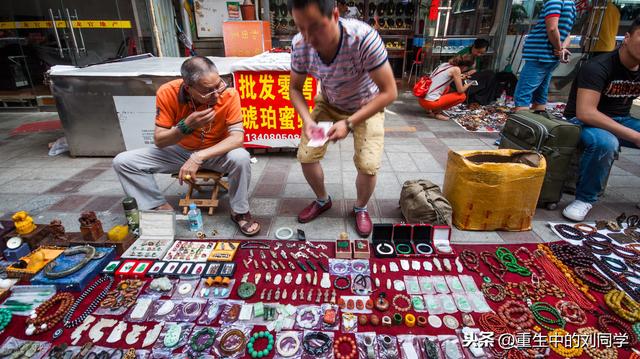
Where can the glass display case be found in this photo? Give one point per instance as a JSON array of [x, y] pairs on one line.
[[455, 26], [472, 17]]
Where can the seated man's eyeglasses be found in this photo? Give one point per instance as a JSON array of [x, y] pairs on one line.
[[219, 89]]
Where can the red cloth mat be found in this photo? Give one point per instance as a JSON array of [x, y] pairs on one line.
[[17, 326]]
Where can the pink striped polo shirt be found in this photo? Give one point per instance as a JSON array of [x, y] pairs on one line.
[[345, 82]]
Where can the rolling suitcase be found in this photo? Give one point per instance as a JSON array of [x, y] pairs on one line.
[[556, 140]]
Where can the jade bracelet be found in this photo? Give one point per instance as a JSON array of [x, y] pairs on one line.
[[264, 352], [209, 333]]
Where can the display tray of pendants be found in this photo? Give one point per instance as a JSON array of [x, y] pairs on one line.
[[406, 293]]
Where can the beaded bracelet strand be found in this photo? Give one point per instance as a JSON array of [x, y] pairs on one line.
[[557, 337]]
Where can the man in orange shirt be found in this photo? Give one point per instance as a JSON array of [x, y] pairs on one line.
[[198, 125]]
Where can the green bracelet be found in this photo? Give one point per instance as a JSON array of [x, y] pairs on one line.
[[197, 344], [397, 318], [184, 128], [253, 353], [403, 248], [539, 307]]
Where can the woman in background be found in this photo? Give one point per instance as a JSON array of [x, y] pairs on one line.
[[438, 97]]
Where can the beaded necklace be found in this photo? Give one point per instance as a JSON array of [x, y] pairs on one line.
[[497, 268], [68, 322], [40, 322], [511, 262], [605, 321], [624, 307], [564, 278], [541, 307]]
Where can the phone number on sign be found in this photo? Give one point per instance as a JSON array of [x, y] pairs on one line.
[[269, 136]]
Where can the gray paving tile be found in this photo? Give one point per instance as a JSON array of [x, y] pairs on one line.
[[520, 237], [62, 173], [264, 207], [541, 228], [12, 202], [462, 142], [102, 188], [475, 237], [425, 162], [102, 203], [470, 148], [10, 173], [68, 186], [108, 175], [624, 181], [402, 141], [330, 177], [333, 165], [220, 222], [70, 203], [401, 162], [302, 190], [40, 203], [425, 134], [26, 186], [629, 193], [417, 148]]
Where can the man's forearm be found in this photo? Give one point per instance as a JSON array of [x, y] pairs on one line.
[[300, 104], [596, 118], [377, 104], [168, 137], [235, 140], [554, 38]]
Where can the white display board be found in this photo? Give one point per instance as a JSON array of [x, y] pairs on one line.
[[210, 14], [136, 115]]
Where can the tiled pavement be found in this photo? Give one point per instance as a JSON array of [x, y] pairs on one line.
[[415, 147]]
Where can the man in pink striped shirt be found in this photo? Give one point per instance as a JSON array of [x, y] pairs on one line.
[[349, 59]]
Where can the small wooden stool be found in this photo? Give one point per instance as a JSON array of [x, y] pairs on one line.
[[204, 178]]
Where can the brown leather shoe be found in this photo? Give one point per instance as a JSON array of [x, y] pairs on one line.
[[310, 212], [363, 223]]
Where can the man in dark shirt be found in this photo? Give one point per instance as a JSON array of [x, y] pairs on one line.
[[600, 100]]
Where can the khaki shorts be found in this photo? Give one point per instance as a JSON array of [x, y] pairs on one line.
[[368, 138]]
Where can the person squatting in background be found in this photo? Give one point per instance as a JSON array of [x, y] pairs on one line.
[[439, 97]]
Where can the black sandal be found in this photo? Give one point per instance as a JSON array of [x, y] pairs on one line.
[[249, 222]]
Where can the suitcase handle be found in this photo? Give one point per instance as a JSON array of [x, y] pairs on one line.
[[543, 132], [549, 152]]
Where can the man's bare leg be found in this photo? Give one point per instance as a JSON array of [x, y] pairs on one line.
[[315, 177], [365, 185]]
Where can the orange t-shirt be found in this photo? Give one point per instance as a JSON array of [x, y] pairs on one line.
[[173, 104]]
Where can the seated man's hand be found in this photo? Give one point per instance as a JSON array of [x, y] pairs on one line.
[[200, 119], [470, 73], [189, 169], [338, 131]]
